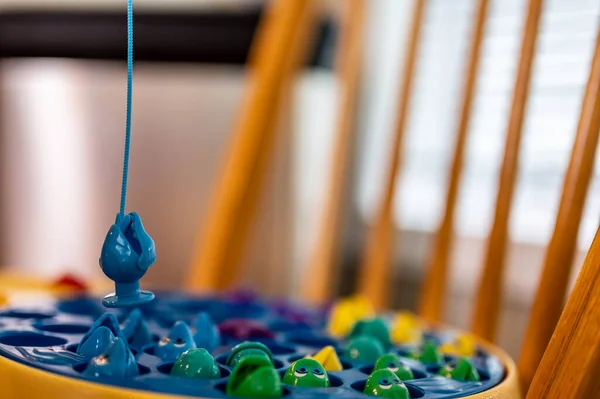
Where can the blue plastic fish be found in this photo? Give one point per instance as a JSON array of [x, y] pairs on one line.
[[100, 336], [136, 331], [116, 362], [206, 334], [178, 341]]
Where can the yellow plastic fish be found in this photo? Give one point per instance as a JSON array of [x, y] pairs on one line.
[[346, 312], [406, 328], [461, 345], [328, 358]]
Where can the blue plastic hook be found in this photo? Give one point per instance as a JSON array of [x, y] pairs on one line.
[[127, 253]]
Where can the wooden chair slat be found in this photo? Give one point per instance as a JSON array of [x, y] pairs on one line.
[[274, 60], [489, 295], [571, 364], [317, 283], [434, 286], [563, 244], [376, 269]]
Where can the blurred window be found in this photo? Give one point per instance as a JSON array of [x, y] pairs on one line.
[[564, 52]]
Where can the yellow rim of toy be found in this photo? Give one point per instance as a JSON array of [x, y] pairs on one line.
[[509, 388]]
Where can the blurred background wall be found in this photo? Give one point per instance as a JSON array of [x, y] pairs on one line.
[[62, 128]]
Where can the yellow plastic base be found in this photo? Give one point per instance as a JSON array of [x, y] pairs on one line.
[[21, 382]]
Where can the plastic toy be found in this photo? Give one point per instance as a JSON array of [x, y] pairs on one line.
[[127, 253], [392, 362], [254, 377], [100, 336], [206, 334], [196, 363], [429, 354], [244, 349], [244, 329], [97, 343], [306, 373], [116, 362], [328, 358], [346, 312], [364, 348], [375, 328], [56, 342], [463, 371], [384, 383], [406, 329], [136, 331], [128, 250], [70, 282], [178, 341], [461, 345]]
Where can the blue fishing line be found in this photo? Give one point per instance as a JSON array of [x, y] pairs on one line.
[[128, 117]]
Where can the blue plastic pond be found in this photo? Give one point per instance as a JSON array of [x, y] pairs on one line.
[[73, 338]]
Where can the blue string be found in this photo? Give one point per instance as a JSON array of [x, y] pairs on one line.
[[128, 117]]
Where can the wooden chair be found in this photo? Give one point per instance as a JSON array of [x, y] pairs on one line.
[[278, 50], [560, 345]]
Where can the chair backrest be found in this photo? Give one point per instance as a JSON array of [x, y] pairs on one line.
[[571, 362], [276, 55], [559, 255], [322, 262], [217, 263]]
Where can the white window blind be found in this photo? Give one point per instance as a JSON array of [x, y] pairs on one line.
[[563, 56]]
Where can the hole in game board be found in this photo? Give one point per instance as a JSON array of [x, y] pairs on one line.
[[61, 328], [334, 380], [416, 373], [31, 339], [312, 340], [483, 374], [196, 305], [222, 386], [287, 326], [166, 368], [277, 349], [27, 314], [81, 306], [414, 391], [80, 368]]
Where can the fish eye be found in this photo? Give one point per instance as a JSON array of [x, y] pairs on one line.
[[301, 372], [397, 380], [101, 360], [318, 373], [164, 341], [392, 366], [179, 342], [384, 383]]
